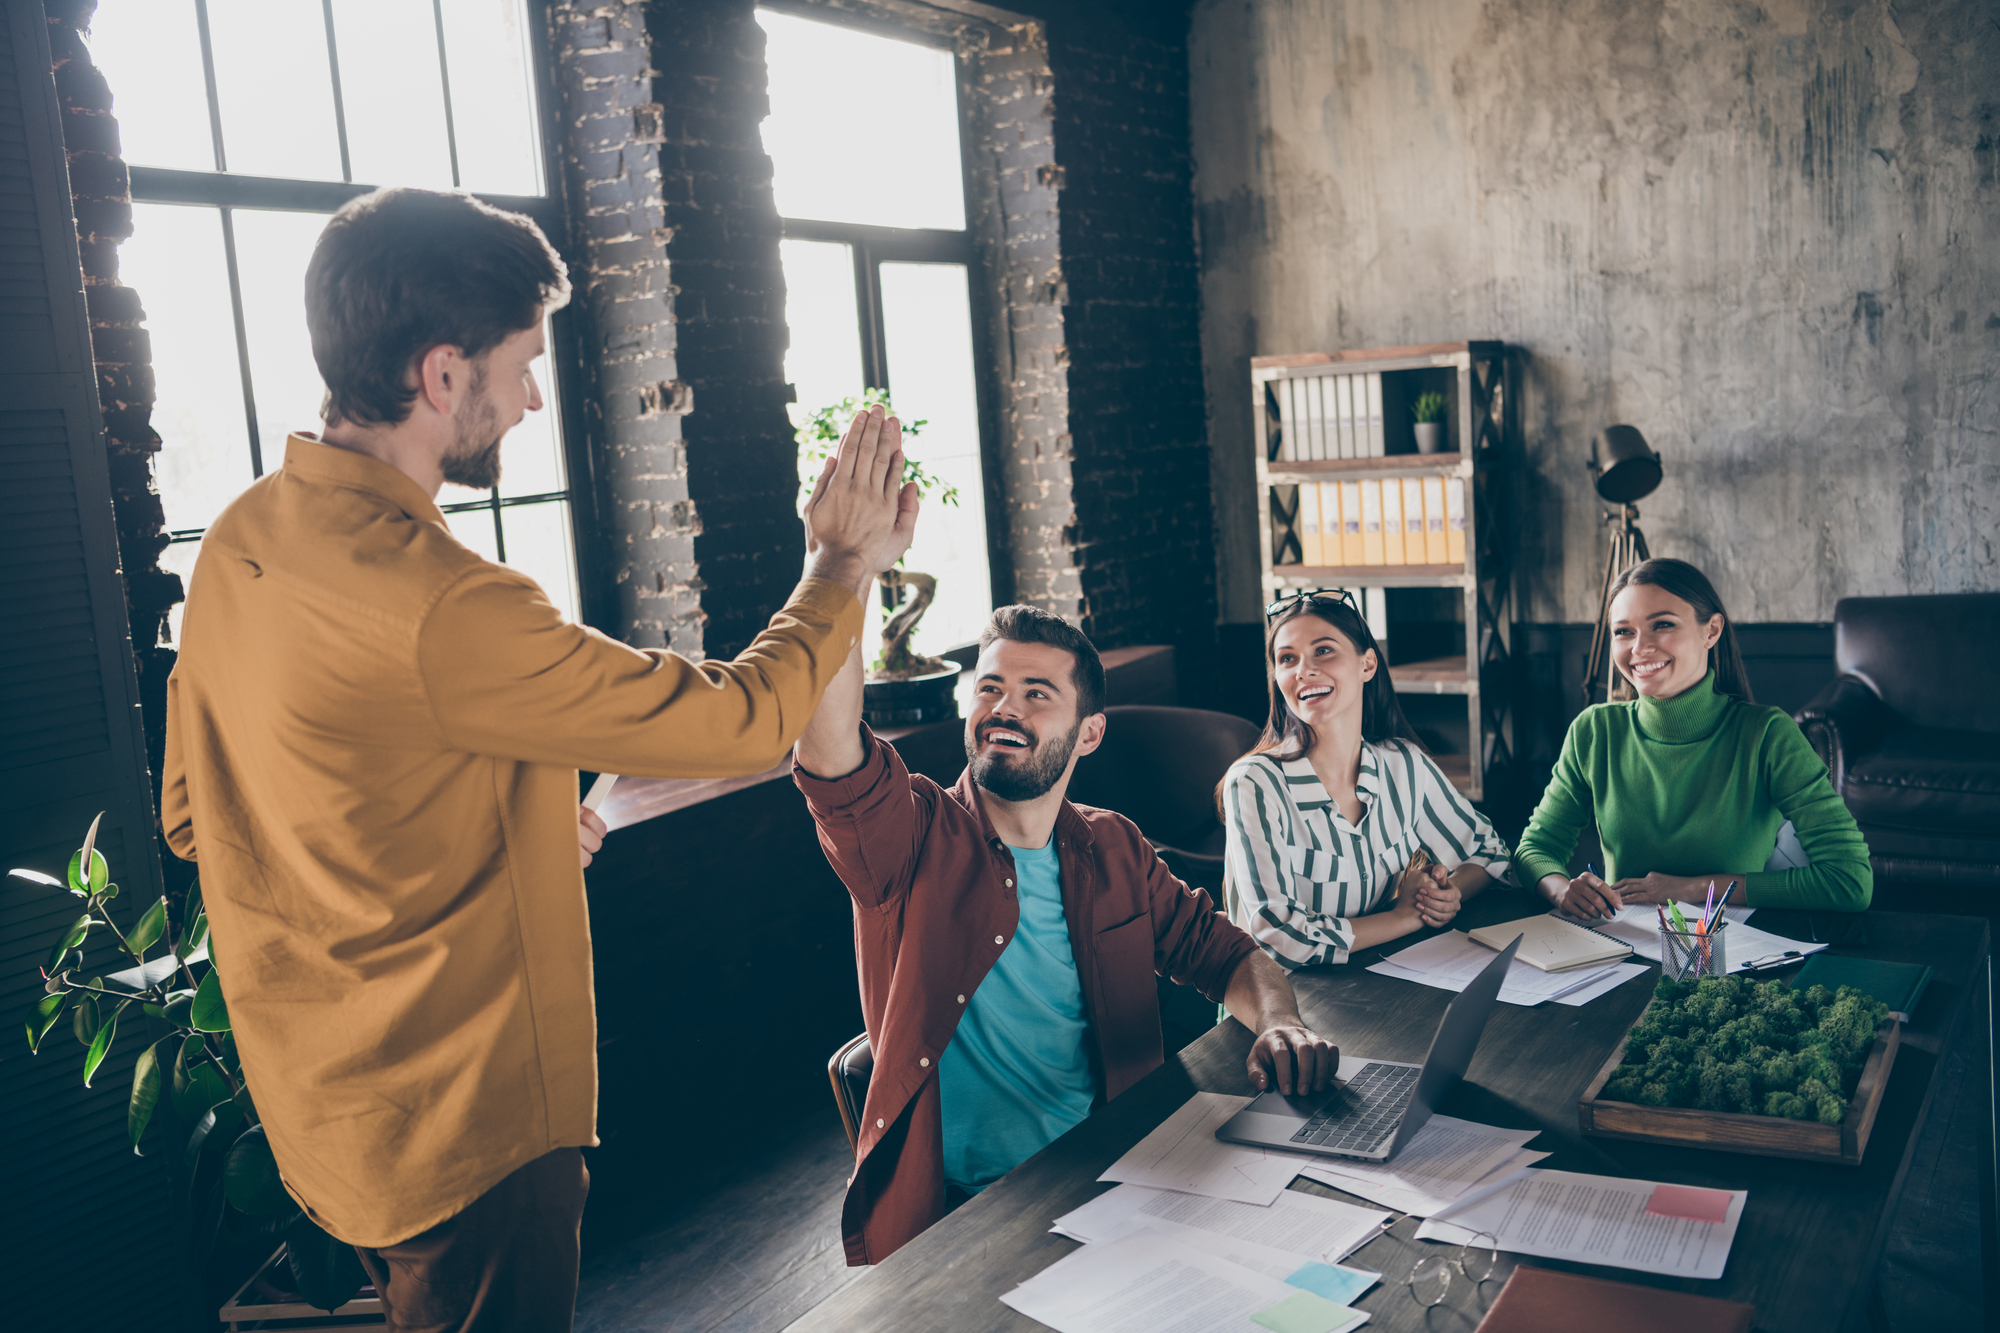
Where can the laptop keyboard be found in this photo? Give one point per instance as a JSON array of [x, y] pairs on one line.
[[1365, 1114]]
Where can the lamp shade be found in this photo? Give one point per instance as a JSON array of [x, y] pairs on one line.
[[1624, 465]]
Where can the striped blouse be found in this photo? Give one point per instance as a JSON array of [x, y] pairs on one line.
[[1298, 872]]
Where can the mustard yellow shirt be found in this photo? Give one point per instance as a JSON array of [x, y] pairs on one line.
[[373, 737]]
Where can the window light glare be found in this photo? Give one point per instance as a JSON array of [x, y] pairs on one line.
[[150, 54], [862, 128], [392, 93], [274, 88]]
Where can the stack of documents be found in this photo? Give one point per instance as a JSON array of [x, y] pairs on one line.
[[1299, 1226], [1184, 1154], [1444, 1163], [1638, 1224], [1450, 962], [1639, 926]]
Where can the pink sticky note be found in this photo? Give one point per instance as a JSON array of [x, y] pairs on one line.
[[1696, 1205]]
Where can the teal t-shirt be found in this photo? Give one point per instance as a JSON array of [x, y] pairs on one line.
[[1017, 1072]]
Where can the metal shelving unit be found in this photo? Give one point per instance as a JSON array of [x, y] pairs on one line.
[[1310, 435]]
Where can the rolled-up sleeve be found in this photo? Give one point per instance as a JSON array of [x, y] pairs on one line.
[[507, 676], [1258, 821], [871, 822]]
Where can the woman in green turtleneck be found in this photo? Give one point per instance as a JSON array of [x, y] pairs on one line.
[[1687, 779]]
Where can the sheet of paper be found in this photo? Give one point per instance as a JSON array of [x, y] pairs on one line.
[[1639, 926], [1147, 1282], [1336, 1282], [1591, 1220], [1450, 962], [599, 790], [1184, 1154], [1298, 1223], [1435, 1169], [1618, 976]]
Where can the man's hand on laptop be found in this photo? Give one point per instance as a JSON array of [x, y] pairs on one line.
[[1292, 1058], [861, 516], [590, 831]]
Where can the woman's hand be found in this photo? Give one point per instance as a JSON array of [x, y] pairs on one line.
[[1658, 888], [1587, 898], [1430, 894], [590, 831]]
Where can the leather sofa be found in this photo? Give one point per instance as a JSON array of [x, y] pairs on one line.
[[1910, 732]]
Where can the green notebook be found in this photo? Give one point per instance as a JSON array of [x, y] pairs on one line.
[[1898, 985]]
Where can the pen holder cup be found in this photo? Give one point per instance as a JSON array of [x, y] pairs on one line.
[[1688, 956]]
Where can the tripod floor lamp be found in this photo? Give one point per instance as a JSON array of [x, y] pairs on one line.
[[1624, 469]]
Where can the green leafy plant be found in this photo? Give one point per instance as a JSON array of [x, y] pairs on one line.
[[822, 431], [188, 1082], [1428, 409], [1757, 1048]]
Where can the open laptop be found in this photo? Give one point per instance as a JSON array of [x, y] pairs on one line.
[[1378, 1105]]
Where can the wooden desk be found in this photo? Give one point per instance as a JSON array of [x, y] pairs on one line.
[[1805, 1253]]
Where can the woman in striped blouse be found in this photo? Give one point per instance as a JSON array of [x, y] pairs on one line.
[[1323, 817]]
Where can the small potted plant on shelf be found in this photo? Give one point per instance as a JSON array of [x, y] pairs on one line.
[[1429, 412], [188, 1083], [903, 687]]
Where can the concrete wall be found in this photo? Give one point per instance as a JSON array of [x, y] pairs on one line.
[[1767, 236]]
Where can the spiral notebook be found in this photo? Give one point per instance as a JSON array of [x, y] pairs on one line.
[[1553, 944]]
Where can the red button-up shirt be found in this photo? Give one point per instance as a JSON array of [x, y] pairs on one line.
[[934, 906]]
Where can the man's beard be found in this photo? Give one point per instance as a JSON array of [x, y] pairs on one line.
[[474, 457], [1037, 769]]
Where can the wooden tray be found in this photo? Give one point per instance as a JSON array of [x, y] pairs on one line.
[[1765, 1135]]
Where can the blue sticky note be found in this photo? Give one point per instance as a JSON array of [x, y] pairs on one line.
[[1336, 1282]]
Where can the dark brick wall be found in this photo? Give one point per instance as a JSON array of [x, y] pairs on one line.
[[1143, 540], [101, 191]]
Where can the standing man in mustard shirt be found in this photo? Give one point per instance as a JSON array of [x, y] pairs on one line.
[[373, 737]]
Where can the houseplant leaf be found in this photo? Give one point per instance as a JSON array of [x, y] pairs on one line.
[[42, 1016], [151, 926], [198, 1085], [145, 1094], [250, 1176], [37, 877], [85, 1020], [69, 939], [201, 1160], [100, 873], [100, 1046], [327, 1272], [192, 937], [209, 1013]]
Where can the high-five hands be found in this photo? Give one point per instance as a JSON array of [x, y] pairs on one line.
[[861, 516], [1430, 893]]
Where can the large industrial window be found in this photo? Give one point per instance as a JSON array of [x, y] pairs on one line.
[[871, 189], [247, 122]]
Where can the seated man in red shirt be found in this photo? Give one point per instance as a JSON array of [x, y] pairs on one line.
[[1008, 940]]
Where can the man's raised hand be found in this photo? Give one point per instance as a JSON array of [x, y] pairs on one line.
[[860, 518]]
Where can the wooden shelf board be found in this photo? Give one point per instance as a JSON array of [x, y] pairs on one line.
[[1437, 675], [1369, 576], [1283, 471], [1483, 348], [1457, 769]]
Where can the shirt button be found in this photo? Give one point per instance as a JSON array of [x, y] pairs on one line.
[[925, 1062], [961, 999], [878, 1124], [999, 940]]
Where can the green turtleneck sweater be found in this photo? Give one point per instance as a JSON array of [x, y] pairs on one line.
[[1696, 785]]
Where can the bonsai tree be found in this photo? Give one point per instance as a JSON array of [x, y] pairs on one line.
[[1428, 409], [817, 437], [188, 1078]]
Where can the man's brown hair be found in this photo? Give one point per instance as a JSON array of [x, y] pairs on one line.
[[1031, 624], [398, 272]]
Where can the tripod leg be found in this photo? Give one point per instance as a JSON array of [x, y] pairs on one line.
[[1599, 633]]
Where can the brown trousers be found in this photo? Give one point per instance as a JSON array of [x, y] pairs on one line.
[[506, 1264]]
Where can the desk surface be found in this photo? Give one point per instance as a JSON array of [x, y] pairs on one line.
[[1804, 1255]]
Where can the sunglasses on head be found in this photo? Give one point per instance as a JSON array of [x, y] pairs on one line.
[[1305, 597]]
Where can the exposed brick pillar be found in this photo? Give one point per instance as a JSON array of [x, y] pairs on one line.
[[635, 400], [101, 193], [728, 299]]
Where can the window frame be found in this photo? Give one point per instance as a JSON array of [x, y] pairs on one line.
[[565, 367], [871, 246]]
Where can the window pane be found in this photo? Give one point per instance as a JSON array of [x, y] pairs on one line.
[[150, 53], [274, 88], [531, 462], [179, 559], [927, 320], [492, 103], [271, 254], [850, 111], [391, 92], [174, 262], [474, 527], [824, 360], [539, 545]]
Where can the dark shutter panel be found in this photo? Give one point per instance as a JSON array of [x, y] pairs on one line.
[[90, 1233]]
